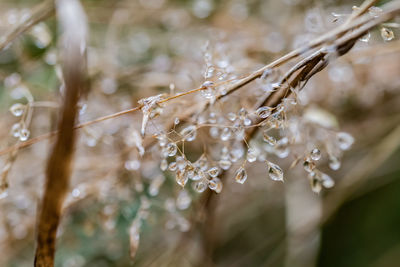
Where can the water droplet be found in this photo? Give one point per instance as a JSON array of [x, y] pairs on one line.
[[162, 139], [269, 139], [210, 73], [155, 185], [202, 9], [387, 34], [334, 163], [236, 153], [366, 38], [214, 132], [266, 74], [225, 153], [172, 88], [275, 172], [327, 181], [337, 16], [239, 132], [263, 112], [208, 93], [82, 109], [181, 163], [247, 121], [291, 101], [251, 155], [375, 11], [241, 175], [3, 193], [276, 120], [189, 133], [225, 164], [15, 129], [17, 109], [279, 109], [190, 170], [41, 35], [315, 182], [212, 117], [24, 134], [213, 172], [315, 154], [281, 148], [200, 186], [176, 121], [271, 87], [171, 149], [215, 184], [172, 166], [183, 200], [181, 177], [208, 89], [242, 113], [226, 134], [231, 116], [183, 223], [202, 163], [197, 175], [345, 140]]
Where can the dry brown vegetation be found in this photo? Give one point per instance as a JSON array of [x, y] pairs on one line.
[[153, 156]]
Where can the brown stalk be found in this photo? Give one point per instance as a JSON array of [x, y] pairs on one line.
[[59, 163]]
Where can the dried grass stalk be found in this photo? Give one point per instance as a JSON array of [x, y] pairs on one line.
[[73, 23]]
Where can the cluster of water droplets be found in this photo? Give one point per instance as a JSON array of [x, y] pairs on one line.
[[200, 172], [278, 135], [386, 31], [230, 150], [22, 111], [218, 70]]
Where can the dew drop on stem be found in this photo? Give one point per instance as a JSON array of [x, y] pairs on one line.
[[263, 112], [345, 140], [17, 109], [24, 134], [241, 175], [215, 184], [315, 154], [213, 172], [200, 186], [387, 34], [275, 172]]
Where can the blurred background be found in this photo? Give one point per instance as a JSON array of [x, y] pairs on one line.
[[139, 48]]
